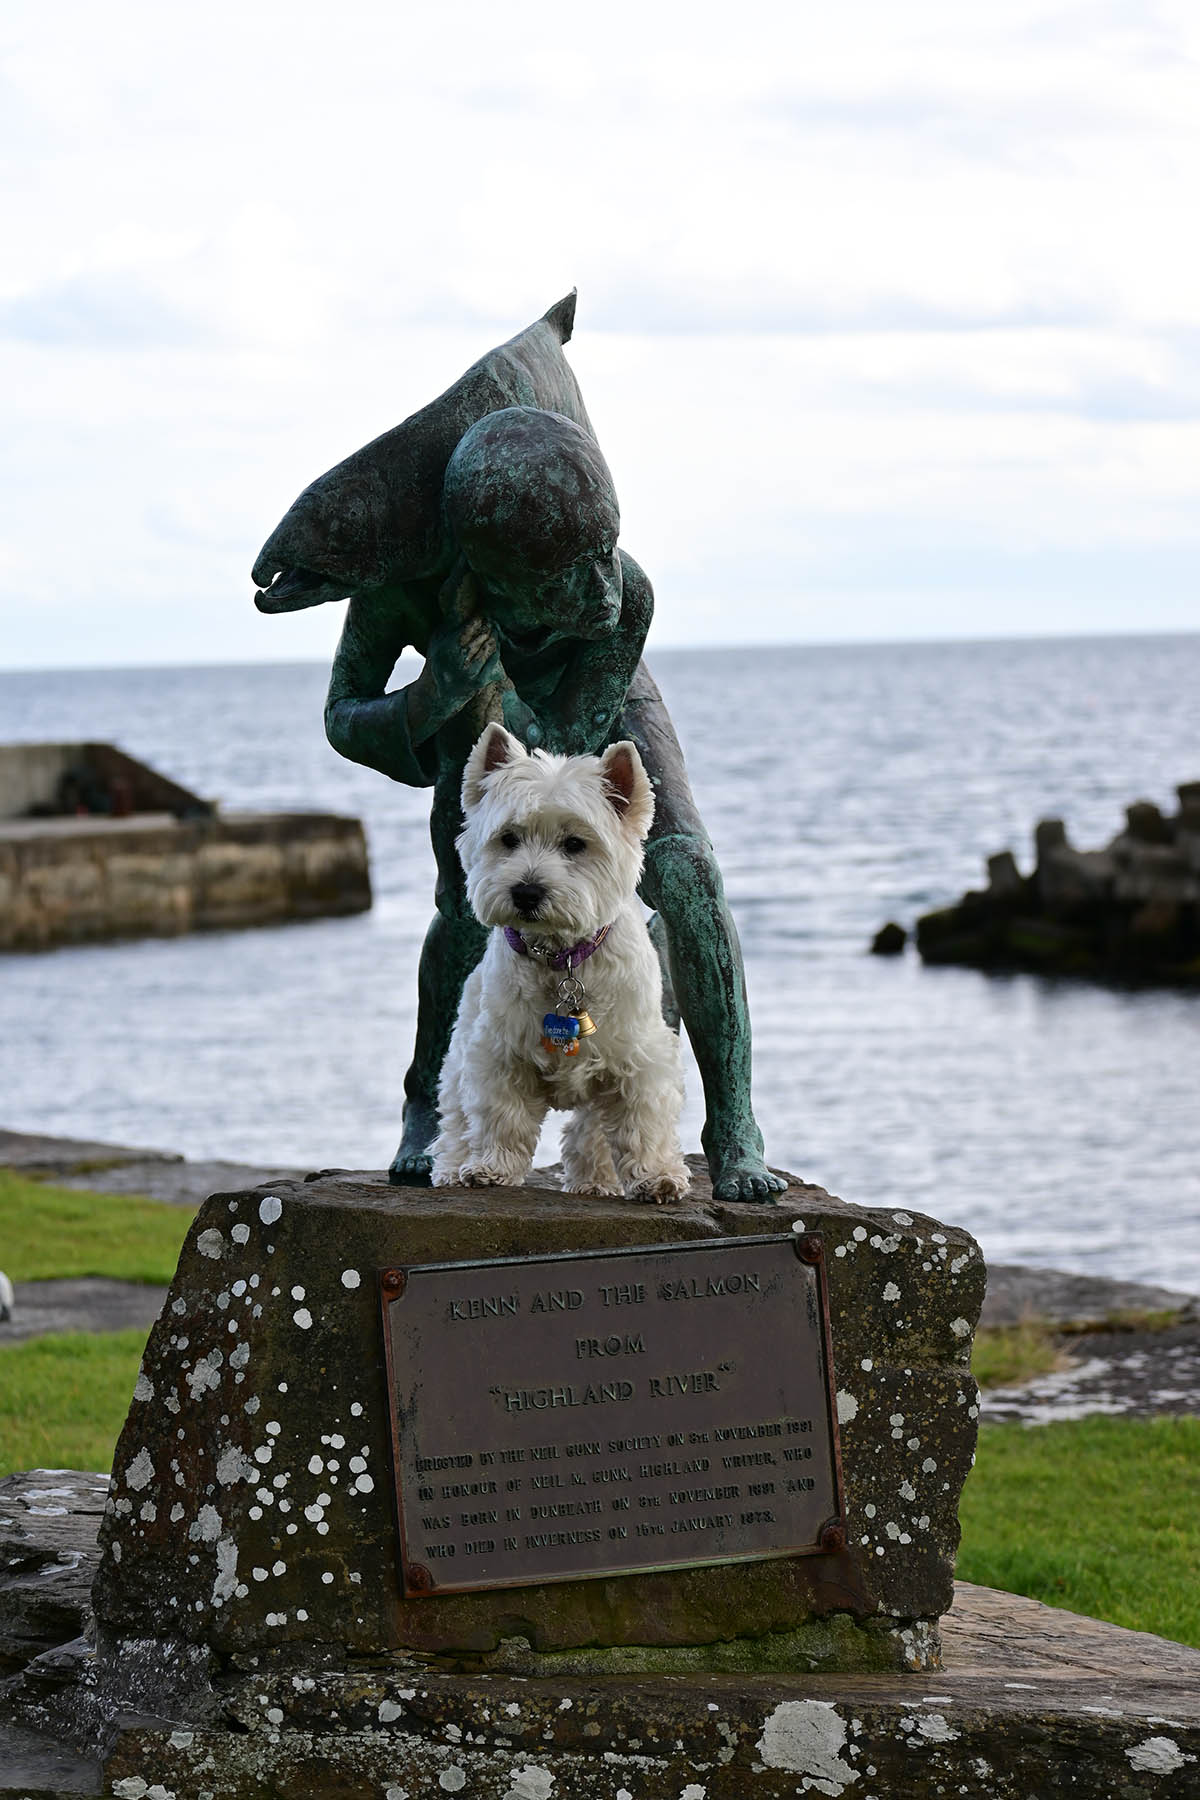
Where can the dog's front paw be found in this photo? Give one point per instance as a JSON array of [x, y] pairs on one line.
[[599, 1189], [660, 1190], [481, 1175]]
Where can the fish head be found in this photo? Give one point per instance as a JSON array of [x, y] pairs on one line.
[[332, 542]]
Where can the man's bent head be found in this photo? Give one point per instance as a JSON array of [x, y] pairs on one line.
[[530, 502]]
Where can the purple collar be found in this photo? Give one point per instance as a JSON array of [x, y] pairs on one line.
[[568, 959]]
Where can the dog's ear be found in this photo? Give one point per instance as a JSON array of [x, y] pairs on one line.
[[627, 787], [495, 747]]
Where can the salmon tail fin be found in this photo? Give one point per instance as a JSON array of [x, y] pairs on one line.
[[562, 316]]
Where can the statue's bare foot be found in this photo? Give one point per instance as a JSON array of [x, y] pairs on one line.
[[412, 1163], [410, 1168], [738, 1172]]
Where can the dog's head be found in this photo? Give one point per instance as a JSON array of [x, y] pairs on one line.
[[552, 844]]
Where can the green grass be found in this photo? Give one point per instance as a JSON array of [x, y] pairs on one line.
[[1100, 1515], [49, 1232], [1006, 1355], [63, 1399], [1133, 1318], [1010, 1355]]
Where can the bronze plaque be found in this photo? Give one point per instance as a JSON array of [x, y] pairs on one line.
[[555, 1417]]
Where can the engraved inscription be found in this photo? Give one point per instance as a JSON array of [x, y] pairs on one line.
[[540, 1438]]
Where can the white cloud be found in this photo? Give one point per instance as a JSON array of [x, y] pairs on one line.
[[907, 281]]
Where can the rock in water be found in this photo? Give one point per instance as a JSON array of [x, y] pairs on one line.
[[889, 940], [1128, 912]]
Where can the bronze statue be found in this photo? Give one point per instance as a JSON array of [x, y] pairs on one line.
[[482, 532]]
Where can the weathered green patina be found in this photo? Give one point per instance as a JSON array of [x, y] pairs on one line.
[[482, 532]]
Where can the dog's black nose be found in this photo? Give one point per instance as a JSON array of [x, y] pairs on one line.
[[527, 897]]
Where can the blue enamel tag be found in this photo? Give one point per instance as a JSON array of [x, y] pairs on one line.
[[560, 1028]]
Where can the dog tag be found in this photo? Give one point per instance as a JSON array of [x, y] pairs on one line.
[[559, 1029]]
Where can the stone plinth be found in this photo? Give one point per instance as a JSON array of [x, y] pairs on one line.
[[1031, 1701], [252, 1503]]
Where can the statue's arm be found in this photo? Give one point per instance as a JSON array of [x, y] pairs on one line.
[[363, 721], [394, 732], [592, 691]]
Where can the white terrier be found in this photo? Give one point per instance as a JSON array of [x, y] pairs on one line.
[[565, 1009]]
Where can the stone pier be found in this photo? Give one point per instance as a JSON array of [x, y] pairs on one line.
[[71, 881], [95, 844]]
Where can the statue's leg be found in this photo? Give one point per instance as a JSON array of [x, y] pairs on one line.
[[451, 949], [453, 945], [658, 937], [683, 883]]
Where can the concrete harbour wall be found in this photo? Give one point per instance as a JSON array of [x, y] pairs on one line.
[[75, 880]]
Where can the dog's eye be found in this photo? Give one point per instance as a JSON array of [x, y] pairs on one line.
[[573, 845], [510, 839]]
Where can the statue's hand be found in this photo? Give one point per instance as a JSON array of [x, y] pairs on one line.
[[463, 658], [521, 720]]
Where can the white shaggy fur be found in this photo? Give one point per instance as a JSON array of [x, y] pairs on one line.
[[624, 1088]]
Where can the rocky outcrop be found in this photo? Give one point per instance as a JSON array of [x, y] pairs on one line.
[[48, 1560], [1130, 911]]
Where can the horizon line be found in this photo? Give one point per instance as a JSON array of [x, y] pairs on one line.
[[723, 648]]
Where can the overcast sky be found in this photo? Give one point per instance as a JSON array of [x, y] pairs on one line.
[[889, 314]]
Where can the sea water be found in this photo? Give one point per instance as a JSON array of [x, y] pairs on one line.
[[1057, 1120]]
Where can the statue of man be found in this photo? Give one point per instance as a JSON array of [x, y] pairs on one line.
[[514, 590]]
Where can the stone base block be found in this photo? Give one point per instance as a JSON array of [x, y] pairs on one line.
[[1032, 1702], [252, 1500]]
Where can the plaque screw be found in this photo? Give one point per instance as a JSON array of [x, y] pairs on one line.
[[393, 1281], [420, 1580], [833, 1537], [809, 1248]]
